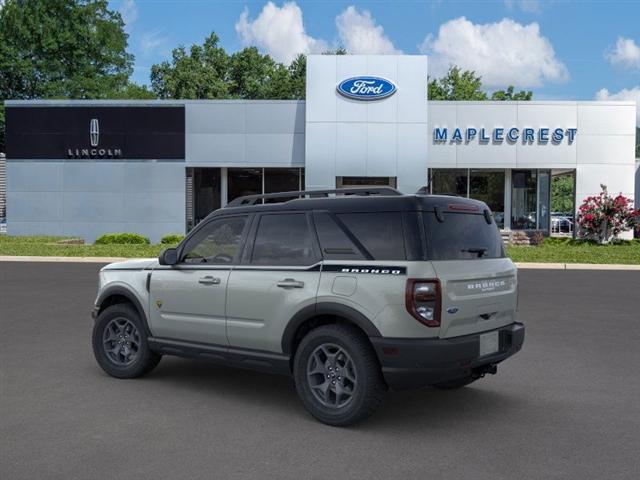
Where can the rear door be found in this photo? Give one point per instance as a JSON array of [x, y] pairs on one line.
[[478, 282], [278, 276]]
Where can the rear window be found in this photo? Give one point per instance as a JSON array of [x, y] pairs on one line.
[[462, 236]]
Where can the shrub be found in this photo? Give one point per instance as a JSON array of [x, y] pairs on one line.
[[171, 239], [604, 217], [122, 239]]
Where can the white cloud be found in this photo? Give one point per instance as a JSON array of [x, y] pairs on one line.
[[529, 6], [504, 53], [151, 41], [626, 53], [278, 31], [632, 94], [129, 13], [360, 34]]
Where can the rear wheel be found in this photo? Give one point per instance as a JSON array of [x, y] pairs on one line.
[[120, 343], [337, 375]]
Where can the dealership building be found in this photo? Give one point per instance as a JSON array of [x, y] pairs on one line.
[[84, 168]]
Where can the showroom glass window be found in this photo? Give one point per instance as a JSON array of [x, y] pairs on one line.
[[488, 187], [449, 181], [524, 190]]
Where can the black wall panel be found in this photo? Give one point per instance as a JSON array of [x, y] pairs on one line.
[[128, 132]]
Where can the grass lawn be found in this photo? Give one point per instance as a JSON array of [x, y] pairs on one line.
[[551, 251], [50, 247], [572, 251]]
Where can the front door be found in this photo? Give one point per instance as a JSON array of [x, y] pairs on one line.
[[277, 278], [187, 300]]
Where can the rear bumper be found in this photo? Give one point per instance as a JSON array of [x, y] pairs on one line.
[[412, 363]]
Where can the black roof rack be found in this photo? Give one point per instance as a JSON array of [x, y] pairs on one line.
[[363, 191]]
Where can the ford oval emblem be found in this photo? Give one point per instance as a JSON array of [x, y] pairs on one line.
[[366, 88], [452, 310]]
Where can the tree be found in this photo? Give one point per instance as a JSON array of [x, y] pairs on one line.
[[199, 74], [510, 95], [457, 85], [208, 72], [61, 49], [298, 74]]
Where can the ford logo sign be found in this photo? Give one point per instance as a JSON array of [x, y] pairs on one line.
[[366, 88]]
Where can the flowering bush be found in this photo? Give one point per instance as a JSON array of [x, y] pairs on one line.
[[604, 217]]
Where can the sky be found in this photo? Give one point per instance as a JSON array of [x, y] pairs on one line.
[[561, 50]]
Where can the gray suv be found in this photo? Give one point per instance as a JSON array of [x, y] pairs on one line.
[[350, 292]]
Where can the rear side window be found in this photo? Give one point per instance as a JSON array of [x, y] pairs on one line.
[[283, 239], [380, 233], [462, 236], [334, 240]]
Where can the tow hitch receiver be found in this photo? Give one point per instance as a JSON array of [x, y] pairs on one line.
[[480, 372]]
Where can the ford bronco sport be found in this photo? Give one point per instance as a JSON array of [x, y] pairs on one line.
[[350, 292]]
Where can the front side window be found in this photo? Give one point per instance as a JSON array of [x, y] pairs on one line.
[[283, 239], [216, 243]]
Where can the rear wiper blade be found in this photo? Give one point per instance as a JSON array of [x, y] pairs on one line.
[[479, 251]]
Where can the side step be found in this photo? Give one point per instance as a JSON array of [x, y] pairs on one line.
[[269, 362]]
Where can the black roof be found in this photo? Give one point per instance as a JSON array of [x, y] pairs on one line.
[[358, 204]]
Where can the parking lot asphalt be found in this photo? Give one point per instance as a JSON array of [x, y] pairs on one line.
[[567, 406]]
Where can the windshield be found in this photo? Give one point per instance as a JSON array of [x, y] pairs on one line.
[[462, 236]]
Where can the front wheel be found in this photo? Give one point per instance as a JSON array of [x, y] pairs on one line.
[[120, 343], [337, 375]]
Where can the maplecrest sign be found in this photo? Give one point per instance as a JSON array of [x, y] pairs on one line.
[[512, 135]]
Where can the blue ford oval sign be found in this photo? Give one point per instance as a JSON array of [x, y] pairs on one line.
[[366, 88]]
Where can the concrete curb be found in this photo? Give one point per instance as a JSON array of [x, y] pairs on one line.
[[11, 258], [577, 266], [532, 266]]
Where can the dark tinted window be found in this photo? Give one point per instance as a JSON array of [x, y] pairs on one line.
[[380, 233], [462, 236], [216, 243], [283, 240], [334, 242]]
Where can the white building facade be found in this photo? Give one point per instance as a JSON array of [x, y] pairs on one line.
[[83, 168]]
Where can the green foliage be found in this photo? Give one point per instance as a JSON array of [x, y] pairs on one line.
[[62, 49], [1, 126], [457, 85], [207, 72], [562, 193], [568, 250], [122, 239], [510, 95], [171, 239], [460, 84]]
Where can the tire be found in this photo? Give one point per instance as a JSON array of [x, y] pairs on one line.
[[322, 353], [123, 350], [454, 384]]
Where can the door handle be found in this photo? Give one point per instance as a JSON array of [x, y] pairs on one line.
[[209, 280], [290, 283]]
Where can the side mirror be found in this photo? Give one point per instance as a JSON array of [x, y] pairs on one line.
[[168, 256]]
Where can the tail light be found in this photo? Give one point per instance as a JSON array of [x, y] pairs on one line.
[[423, 301]]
